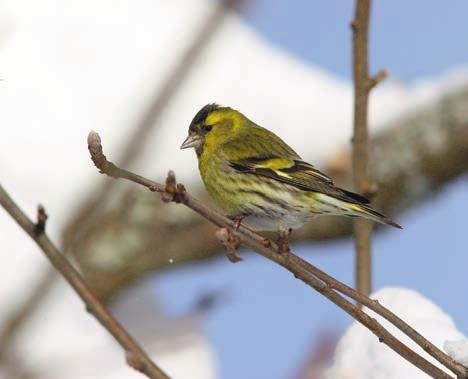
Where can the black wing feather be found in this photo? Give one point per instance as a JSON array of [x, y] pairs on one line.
[[303, 176]]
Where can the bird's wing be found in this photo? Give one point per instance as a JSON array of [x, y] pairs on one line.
[[261, 152], [294, 172]]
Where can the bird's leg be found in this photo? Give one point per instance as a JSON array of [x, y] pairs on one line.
[[238, 219], [283, 239]]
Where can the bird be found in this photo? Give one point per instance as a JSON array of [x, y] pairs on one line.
[[258, 180]]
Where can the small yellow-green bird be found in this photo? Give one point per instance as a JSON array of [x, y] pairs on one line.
[[256, 178]]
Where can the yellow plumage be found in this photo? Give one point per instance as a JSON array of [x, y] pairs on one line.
[[251, 173]]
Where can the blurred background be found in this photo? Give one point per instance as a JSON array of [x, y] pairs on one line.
[[137, 72]]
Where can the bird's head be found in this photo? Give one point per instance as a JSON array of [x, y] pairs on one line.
[[212, 127]]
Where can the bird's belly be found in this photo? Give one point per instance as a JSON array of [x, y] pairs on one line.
[[262, 222], [281, 212]]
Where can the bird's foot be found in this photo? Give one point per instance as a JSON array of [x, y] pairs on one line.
[[283, 240], [238, 219]]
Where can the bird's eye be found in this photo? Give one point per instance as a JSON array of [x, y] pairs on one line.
[[207, 128]]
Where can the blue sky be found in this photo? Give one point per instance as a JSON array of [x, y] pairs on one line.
[[270, 320], [411, 38]]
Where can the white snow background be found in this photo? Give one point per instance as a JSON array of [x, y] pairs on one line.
[[71, 66]]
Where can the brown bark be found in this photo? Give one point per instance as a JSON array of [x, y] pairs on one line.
[[362, 86]]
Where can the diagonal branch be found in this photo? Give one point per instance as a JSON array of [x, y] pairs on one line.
[[135, 355], [311, 275]]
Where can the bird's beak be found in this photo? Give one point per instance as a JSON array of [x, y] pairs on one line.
[[193, 140]]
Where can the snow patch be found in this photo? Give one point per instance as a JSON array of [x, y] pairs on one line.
[[458, 350], [360, 355]]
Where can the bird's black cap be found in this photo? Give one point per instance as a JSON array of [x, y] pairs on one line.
[[203, 113]]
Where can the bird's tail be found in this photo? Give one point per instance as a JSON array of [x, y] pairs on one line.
[[366, 211], [355, 207]]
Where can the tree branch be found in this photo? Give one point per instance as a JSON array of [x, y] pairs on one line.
[[362, 86], [311, 275], [136, 357]]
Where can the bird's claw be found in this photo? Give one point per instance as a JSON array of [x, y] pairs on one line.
[[237, 219]]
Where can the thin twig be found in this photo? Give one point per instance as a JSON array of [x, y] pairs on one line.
[[303, 270], [362, 86], [136, 357], [162, 97]]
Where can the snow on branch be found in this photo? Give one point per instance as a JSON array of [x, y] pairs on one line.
[[351, 358], [458, 350]]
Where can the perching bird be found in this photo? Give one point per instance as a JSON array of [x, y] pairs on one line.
[[256, 178]]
